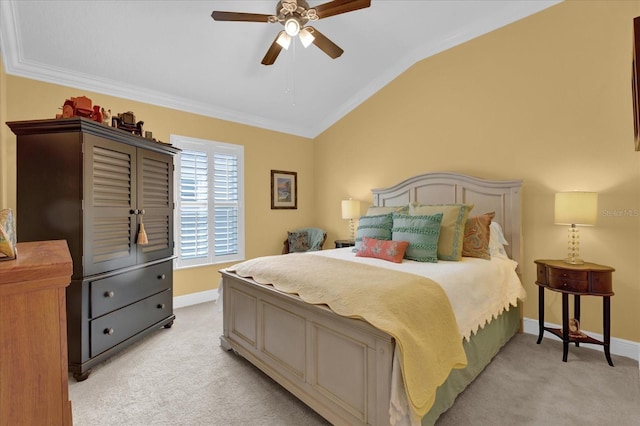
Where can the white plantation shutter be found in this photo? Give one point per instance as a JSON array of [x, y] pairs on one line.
[[210, 223], [194, 208], [225, 193]]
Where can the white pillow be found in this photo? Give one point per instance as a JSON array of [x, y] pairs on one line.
[[497, 241]]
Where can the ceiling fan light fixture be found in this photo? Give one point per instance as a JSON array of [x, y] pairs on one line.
[[284, 40], [306, 37], [292, 26]]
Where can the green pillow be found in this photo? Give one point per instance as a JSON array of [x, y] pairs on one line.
[[421, 232], [454, 219], [378, 227]]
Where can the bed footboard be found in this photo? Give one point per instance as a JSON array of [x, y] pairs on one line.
[[340, 367]]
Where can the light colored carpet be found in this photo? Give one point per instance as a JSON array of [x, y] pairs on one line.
[[180, 376]]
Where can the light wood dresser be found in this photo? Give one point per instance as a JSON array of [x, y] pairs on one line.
[[33, 335]]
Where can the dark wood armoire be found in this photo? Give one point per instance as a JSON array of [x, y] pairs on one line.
[[96, 186]]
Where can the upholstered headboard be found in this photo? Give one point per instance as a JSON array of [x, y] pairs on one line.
[[499, 196]]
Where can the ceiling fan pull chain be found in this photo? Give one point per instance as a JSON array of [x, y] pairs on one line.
[[291, 75]]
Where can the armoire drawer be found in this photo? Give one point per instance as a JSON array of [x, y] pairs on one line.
[[109, 294], [109, 330]]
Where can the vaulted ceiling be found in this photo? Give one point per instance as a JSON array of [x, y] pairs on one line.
[[173, 54]]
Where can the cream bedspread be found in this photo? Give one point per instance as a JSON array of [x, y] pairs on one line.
[[478, 290], [413, 309]]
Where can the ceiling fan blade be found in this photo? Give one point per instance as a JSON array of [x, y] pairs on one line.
[[239, 16], [337, 7], [324, 44], [273, 52]]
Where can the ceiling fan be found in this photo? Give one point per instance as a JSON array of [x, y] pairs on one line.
[[294, 15]]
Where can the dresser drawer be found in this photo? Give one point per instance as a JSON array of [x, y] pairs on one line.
[[565, 274], [601, 282], [109, 294], [541, 276], [109, 330], [570, 285], [563, 279]]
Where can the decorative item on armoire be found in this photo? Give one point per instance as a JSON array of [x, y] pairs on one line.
[[143, 239], [127, 121], [106, 116], [7, 235], [81, 107]]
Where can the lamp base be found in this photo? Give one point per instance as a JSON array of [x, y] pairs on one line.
[[573, 249], [352, 230]]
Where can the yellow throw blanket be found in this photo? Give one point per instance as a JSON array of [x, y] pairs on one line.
[[413, 309]]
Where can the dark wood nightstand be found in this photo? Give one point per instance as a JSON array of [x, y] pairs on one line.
[[345, 243], [588, 279]]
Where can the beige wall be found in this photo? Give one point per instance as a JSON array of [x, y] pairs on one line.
[[266, 229], [547, 100]]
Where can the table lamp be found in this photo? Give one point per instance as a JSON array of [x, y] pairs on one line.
[[575, 208], [351, 210]]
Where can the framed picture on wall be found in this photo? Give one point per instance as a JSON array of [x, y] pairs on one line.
[[284, 190]]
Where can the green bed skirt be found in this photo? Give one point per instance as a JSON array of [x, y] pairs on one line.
[[480, 350]]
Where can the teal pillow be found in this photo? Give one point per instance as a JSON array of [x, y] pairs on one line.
[[378, 227], [421, 232], [454, 218]]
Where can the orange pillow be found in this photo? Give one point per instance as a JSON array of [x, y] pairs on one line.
[[476, 236], [392, 251]]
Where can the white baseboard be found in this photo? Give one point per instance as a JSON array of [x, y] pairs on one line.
[[195, 298], [617, 346]]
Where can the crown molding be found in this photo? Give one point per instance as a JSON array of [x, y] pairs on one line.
[[15, 64]]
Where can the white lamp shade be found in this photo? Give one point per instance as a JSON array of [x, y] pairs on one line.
[[306, 37], [350, 209], [284, 40], [576, 208]]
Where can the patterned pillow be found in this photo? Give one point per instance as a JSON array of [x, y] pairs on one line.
[[421, 232], [298, 241], [454, 218], [477, 232], [378, 227], [392, 251]]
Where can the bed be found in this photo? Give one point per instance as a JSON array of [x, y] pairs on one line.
[[344, 368]]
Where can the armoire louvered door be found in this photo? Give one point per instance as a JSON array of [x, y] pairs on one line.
[[109, 203], [155, 204], [126, 187]]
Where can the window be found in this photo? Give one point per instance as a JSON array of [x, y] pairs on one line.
[[209, 202]]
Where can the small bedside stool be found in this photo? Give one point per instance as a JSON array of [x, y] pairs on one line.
[[345, 243], [588, 279]]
